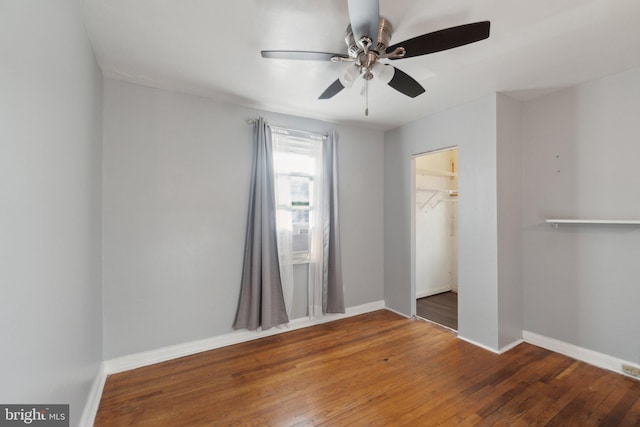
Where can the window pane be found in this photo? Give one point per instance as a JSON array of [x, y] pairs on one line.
[[301, 218], [299, 191], [291, 163], [301, 241]]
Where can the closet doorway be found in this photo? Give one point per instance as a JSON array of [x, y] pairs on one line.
[[436, 237]]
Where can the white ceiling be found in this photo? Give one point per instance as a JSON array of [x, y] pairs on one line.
[[212, 48]]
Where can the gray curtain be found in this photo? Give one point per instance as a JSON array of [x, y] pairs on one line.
[[261, 301], [332, 290]]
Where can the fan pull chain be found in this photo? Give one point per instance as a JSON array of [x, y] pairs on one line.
[[366, 97]]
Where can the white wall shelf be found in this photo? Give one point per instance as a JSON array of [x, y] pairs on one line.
[[556, 222], [428, 172], [439, 190]]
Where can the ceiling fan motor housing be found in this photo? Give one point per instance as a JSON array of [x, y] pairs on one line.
[[379, 45]]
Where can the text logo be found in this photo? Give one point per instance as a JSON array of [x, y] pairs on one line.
[[34, 415]]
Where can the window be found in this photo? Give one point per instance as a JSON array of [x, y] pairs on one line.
[[296, 158], [301, 188]]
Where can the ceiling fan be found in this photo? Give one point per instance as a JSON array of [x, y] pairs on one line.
[[367, 39]]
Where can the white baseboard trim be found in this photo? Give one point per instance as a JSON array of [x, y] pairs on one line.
[[510, 346], [93, 400], [430, 292], [591, 357], [493, 350], [397, 312], [146, 358], [364, 308], [477, 344]]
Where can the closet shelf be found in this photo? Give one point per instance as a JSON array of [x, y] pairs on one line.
[[555, 222], [439, 190], [435, 172]]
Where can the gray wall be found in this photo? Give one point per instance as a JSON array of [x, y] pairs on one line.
[[50, 205], [471, 127], [176, 183], [581, 161], [509, 188]]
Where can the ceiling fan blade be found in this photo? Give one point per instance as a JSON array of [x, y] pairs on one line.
[[301, 55], [365, 18], [443, 39], [404, 83], [332, 90]]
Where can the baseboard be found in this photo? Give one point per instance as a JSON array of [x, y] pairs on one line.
[[591, 357], [365, 308], [397, 312], [510, 346], [146, 358], [502, 350], [477, 344], [93, 400], [431, 292]]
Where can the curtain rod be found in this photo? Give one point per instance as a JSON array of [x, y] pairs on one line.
[[253, 121]]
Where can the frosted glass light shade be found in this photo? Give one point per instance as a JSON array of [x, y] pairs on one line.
[[349, 76], [384, 72]]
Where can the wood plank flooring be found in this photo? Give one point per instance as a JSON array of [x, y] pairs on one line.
[[377, 369], [440, 308]]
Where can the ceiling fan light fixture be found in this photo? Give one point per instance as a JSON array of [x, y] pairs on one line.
[[349, 76], [384, 72]]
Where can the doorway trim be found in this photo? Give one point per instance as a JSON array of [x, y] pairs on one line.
[[412, 210]]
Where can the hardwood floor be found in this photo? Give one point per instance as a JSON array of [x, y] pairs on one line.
[[376, 369], [440, 308]]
